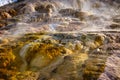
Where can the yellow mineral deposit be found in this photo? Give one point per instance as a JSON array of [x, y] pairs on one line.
[[41, 55], [78, 47], [99, 40], [91, 69], [7, 59], [37, 55], [46, 49]]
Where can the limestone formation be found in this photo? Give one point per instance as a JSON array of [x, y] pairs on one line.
[[60, 40]]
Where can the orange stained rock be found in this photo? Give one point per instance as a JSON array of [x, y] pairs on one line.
[[5, 15], [1, 25], [12, 12], [0, 17]]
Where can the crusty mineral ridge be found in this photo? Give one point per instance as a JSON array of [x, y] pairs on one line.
[[63, 56], [112, 63], [16, 11], [59, 12]]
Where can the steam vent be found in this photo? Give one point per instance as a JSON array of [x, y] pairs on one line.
[[59, 39]]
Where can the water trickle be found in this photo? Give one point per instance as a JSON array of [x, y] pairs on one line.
[[24, 50], [52, 27], [22, 53]]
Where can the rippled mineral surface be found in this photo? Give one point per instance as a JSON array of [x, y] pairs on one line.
[[60, 40]]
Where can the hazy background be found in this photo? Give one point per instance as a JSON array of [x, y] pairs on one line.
[[4, 2]]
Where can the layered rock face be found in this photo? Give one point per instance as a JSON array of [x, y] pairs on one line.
[[62, 15], [60, 40]]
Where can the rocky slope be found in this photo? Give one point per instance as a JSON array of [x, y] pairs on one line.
[[61, 56], [60, 40]]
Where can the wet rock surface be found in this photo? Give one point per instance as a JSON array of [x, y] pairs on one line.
[[56, 12], [90, 56], [60, 40]]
